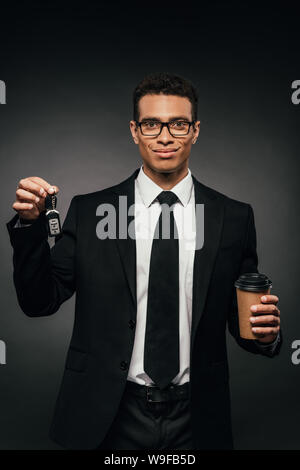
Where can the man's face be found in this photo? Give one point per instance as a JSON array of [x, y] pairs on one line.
[[165, 108]]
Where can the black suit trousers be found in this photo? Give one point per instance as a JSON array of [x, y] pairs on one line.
[[142, 425]]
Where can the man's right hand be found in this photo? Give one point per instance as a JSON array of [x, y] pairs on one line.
[[30, 197]]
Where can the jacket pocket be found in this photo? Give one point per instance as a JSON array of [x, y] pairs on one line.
[[76, 360]]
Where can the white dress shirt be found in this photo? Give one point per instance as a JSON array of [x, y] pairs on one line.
[[147, 212]]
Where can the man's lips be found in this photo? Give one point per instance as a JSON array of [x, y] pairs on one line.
[[165, 152]]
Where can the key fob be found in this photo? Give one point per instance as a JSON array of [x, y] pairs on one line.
[[52, 216]]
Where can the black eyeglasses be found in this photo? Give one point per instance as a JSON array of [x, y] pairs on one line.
[[176, 128]]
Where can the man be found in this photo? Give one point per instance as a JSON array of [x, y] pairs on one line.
[[147, 363]]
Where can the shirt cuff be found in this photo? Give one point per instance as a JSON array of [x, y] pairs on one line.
[[21, 224]]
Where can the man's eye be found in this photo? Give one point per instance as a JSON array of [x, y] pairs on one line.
[[179, 124], [150, 123]]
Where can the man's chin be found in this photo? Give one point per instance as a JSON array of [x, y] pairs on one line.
[[166, 166]]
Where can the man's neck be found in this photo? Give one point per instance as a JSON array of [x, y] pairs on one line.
[[166, 180]]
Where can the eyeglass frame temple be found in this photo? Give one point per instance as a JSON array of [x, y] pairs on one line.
[[163, 124]]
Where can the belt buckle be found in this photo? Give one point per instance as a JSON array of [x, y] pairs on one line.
[[165, 394], [149, 398]]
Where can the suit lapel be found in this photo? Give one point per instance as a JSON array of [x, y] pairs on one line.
[[127, 246], [205, 257]]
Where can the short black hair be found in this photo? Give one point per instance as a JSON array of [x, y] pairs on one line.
[[166, 84]]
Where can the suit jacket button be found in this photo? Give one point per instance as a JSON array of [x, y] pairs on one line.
[[131, 324], [124, 365]]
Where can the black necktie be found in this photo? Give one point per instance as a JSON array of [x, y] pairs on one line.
[[161, 353]]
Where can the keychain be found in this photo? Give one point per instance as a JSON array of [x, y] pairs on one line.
[[52, 216]]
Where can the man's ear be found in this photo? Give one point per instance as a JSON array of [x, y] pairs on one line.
[[195, 130], [133, 130]]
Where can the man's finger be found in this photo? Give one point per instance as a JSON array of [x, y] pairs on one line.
[[267, 330], [44, 183], [31, 186], [273, 319], [269, 298], [22, 206], [262, 308], [27, 195]]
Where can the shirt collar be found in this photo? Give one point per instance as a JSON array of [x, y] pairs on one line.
[[149, 190]]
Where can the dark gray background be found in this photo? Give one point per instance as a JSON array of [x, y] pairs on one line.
[[70, 74]]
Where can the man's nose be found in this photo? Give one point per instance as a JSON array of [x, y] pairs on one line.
[[165, 135]]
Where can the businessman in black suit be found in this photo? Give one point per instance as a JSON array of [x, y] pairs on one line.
[[147, 363]]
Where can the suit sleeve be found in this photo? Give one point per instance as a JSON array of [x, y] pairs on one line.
[[249, 264], [44, 278]]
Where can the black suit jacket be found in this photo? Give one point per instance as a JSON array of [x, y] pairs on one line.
[[103, 274]]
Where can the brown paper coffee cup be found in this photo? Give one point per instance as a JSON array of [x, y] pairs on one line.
[[250, 287]]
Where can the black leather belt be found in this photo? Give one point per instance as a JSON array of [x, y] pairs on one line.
[[154, 394]]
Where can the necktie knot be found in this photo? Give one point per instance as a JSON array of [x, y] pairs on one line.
[[167, 197]]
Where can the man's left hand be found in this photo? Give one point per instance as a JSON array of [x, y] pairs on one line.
[[265, 319]]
